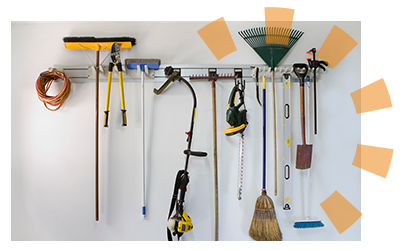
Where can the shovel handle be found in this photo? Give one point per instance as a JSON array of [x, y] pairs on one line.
[[302, 116]]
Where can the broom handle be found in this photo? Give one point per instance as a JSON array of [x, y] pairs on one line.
[[97, 137], [264, 133]]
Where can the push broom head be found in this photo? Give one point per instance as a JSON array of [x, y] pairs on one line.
[[264, 226], [97, 43], [303, 224], [271, 43]]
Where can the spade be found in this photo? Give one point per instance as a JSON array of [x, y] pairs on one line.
[[304, 151]]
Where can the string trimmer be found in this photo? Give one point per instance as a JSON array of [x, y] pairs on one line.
[[180, 222]]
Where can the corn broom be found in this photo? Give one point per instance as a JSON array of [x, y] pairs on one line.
[[264, 226]]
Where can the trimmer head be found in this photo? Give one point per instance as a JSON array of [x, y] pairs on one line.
[[303, 157]]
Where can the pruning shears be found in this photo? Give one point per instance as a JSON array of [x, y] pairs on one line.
[[115, 61]]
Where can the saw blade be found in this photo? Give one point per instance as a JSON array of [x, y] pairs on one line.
[[240, 170]]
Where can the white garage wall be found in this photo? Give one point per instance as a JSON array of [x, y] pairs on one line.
[[53, 152]]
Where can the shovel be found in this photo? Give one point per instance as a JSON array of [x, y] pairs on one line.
[[304, 151]]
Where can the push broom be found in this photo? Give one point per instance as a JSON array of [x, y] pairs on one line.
[[271, 51], [97, 44]]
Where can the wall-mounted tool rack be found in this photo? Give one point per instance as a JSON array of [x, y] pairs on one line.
[[88, 72]]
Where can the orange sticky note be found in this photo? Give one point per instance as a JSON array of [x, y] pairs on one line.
[[373, 159], [217, 37], [340, 211], [372, 97], [282, 19], [336, 46]]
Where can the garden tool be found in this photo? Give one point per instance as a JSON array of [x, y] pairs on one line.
[[271, 51], [237, 118], [115, 61], [180, 222], [314, 64], [304, 151], [213, 77]]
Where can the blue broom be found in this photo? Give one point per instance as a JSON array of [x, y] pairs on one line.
[[308, 223]]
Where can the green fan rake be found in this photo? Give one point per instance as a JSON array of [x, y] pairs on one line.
[[271, 44]]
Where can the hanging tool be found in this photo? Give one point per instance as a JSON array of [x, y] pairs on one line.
[[213, 77], [304, 151], [271, 54], [257, 86], [286, 145], [97, 44], [264, 225], [115, 60], [237, 118], [143, 65], [314, 65], [43, 84], [308, 223], [180, 222]]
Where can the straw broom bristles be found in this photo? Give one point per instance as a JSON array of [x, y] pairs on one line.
[[264, 226]]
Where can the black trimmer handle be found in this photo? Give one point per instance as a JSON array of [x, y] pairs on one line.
[[195, 153]]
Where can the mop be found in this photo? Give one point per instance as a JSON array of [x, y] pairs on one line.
[[143, 65]]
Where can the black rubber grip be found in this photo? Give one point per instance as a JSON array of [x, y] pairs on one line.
[[195, 153]]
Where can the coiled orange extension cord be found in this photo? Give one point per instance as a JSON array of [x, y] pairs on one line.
[[43, 84]]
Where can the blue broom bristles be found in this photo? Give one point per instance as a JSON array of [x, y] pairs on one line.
[[308, 224]]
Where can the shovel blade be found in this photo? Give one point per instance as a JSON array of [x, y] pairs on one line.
[[303, 157]]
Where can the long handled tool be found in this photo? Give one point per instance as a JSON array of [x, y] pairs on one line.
[[314, 65], [271, 52], [304, 151], [308, 223], [264, 225], [236, 116], [143, 65], [115, 61], [97, 44], [213, 77], [180, 222]]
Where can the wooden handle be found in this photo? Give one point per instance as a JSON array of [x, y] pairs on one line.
[[275, 151], [302, 116]]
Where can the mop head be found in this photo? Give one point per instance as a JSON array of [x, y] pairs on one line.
[[308, 224], [150, 63], [264, 226]]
